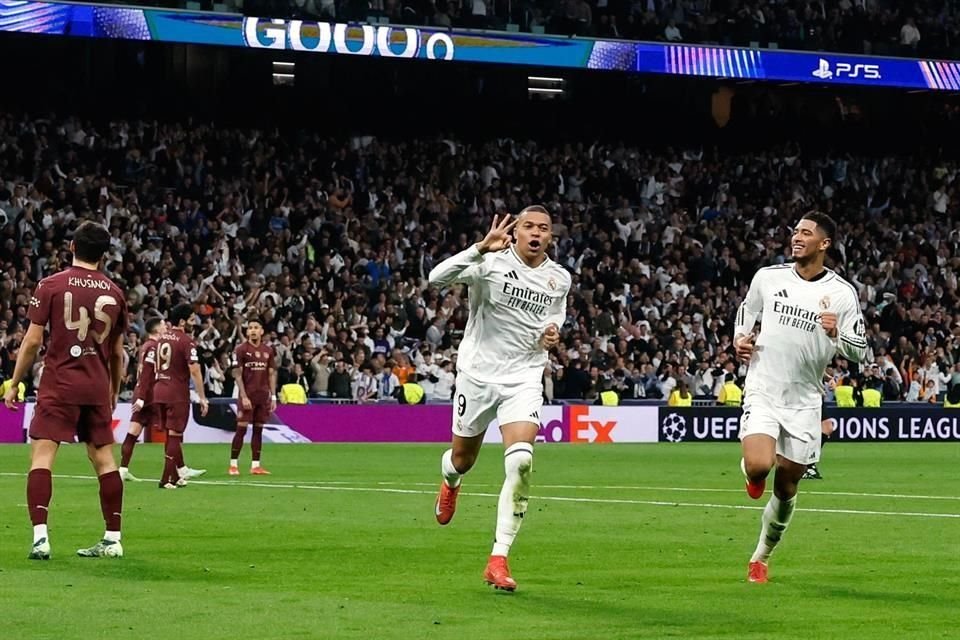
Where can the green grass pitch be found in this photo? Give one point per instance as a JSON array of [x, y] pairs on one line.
[[621, 541]]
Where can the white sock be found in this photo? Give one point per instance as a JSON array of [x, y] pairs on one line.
[[776, 517], [183, 471], [123, 470], [517, 465], [449, 472], [39, 531], [255, 464], [234, 462], [112, 536]]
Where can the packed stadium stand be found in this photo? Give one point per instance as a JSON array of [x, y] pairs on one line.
[[329, 240]]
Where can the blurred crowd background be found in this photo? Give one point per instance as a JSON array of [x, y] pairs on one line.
[[329, 240]]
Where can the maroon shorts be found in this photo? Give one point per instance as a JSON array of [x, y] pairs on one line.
[[256, 414], [68, 422], [173, 416], [146, 417]]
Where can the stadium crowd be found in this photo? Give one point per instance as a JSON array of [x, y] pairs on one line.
[[928, 28], [329, 240]]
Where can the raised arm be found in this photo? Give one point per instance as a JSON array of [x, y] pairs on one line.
[[466, 266]]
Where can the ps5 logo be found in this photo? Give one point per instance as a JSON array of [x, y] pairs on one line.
[[846, 70], [319, 36]]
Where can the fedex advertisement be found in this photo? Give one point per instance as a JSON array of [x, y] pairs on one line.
[[576, 424]]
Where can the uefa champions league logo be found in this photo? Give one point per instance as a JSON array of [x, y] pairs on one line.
[[674, 428]]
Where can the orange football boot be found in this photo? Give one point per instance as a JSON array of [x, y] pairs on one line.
[[757, 572], [446, 503], [497, 574]]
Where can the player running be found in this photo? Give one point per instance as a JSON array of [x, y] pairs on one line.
[[86, 314], [517, 300], [255, 371], [168, 368], [807, 314]]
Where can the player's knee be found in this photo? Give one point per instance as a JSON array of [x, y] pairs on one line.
[[518, 460], [758, 467], [463, 461]]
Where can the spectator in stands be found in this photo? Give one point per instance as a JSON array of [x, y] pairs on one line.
[[671, 32], [909, 37], [339, 383]]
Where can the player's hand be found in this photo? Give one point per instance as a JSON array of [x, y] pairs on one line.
[[10, 398], [273, 403], [745, 346], [245, 403], [498, 238], [138, 405], [204, 407], [550, 337], [828, 320]]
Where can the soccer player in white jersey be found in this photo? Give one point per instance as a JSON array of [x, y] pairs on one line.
[[517, 298], [807, 314]]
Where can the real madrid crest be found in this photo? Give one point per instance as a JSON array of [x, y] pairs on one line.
[[825, 302], [552, 284]]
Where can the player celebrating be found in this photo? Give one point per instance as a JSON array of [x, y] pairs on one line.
[[83, 365], [808, 313], [172, 363], [255, 371], [517, 301]]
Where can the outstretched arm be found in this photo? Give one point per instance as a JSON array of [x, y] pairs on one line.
[[466, 266]]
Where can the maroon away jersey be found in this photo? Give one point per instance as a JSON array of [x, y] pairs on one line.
[[174, 353], [147, 349], [86, 312], [255, 364]]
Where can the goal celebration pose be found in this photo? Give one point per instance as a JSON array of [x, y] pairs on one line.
[[517, 303], [807, 314]]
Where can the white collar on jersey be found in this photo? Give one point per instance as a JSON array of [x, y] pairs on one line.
[[516, 256]]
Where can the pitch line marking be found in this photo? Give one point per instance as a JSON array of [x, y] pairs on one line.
[[899, 496], [655, 503]]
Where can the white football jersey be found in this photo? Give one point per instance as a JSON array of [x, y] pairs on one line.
[[792, 348], [511, 305]]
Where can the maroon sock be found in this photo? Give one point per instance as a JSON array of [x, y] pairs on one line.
[[237, 445], [126, 449], [178, 458], [111, 499], [39, 492], [169, 461], [256, 443]]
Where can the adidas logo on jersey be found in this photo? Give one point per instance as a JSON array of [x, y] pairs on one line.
[[535, 414], [512, 275], [781, 294]]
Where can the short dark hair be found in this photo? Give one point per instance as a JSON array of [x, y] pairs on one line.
[[825, 222], [535, 208], [179, 313], [151, 325], [91, 241], [253, 319]]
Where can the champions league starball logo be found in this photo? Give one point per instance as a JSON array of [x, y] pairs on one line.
[[674, 428]]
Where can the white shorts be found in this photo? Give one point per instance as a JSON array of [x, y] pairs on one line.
[[476, 404], [797, 431]]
